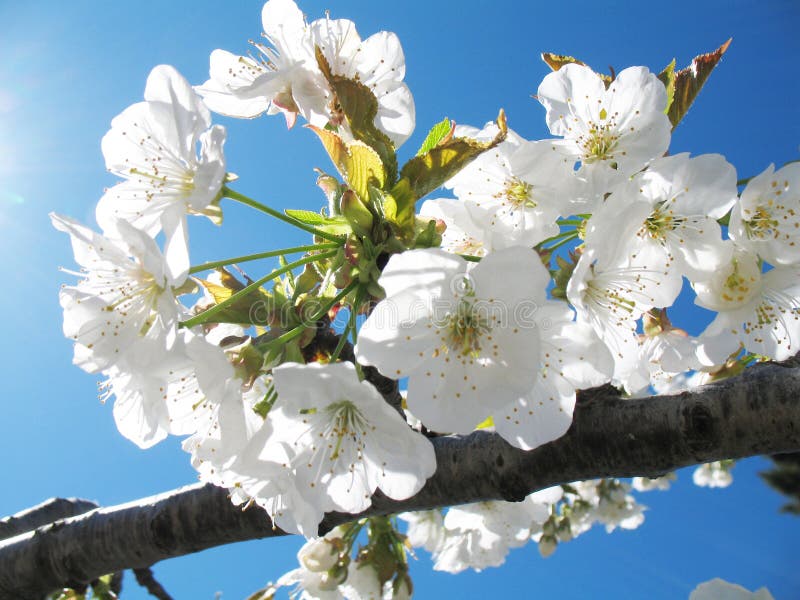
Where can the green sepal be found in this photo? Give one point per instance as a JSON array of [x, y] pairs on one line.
[[360, 107], [427, 236], [562, 274], [358, 216]]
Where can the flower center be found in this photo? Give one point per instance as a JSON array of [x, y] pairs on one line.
[[600, 139], [180, 181], [518, 193], [739, 286], [762, 225], [464, 329], [658, 224], [346, 422]]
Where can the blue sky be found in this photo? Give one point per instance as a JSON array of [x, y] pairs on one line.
[[68, 69]]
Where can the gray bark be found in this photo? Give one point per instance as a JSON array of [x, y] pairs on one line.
[[757, 412]]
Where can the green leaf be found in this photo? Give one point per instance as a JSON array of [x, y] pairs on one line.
[[556, 61], [357, 162], [423, 174], [336, 225], [439, 133], [690, 80], [241, 311], [667, 77], [306, 216], [360, 106]]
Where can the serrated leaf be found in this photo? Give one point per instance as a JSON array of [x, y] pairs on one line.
[[336, 225], [667, 77], [423, 174], [690, 80], [308, 217], [439, 133], [240, 311], [556, 61], [357, 162], [360, 107]]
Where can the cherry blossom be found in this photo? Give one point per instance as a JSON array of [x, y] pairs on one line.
[[124, 293], [619, 129], [759, 311], [342, 439], [464, 336], [153, 146], [287, 79], [766, 220]]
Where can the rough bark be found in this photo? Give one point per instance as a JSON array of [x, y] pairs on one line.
[[755, 413]]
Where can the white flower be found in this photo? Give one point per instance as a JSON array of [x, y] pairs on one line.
[[606, 501], [480, 535], [362, 583], [287, 78], [669, 211], [611, 298], [661, 358], [760, 311], [311, 585], [425, 528], [647, 484], [161, 391], [714, 474], [464, 337], [463, 235], [228, 453], [123, 294], [767, 218], [621, 128], [320, 554], [342, 439], [245, 87], [515, 191], [153, 145], [572, 358], [379, 63], [718, 589]]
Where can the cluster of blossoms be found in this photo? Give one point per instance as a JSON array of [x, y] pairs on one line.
[[551, 271]]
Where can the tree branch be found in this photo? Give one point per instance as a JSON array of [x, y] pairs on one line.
[[42, 514], [757, 412]]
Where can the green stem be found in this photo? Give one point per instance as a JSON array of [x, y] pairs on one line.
[[229, 193], [564, 234], [562, 242], [240, 259], [293, 333], [342, 341], [470, 258], [349, 328], [573, 222], [205, 316]]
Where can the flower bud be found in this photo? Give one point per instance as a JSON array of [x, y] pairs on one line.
[[564, 531], [358, 215], [547, 545], [318, 555]]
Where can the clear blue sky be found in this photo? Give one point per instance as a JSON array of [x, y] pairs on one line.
[[68, 68]]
